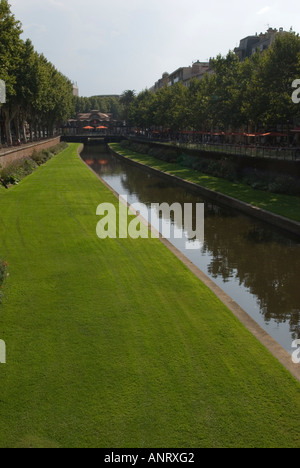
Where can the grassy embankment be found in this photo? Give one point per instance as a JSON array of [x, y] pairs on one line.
[[283, 205], [114, 343]]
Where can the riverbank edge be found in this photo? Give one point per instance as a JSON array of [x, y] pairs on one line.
[[293, 227], [257, 331]]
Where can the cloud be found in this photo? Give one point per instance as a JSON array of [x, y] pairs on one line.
[[59, 5], [39, 28], [264, 10]]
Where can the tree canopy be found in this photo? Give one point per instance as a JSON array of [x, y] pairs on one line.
[[37, 93], [106, 104], [253, 94]]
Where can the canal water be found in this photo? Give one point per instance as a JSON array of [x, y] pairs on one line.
[[257, 265]]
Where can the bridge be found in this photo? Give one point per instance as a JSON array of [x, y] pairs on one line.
[[93, 137]]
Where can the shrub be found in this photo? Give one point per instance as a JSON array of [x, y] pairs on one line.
[[201, 165], [226, 169], [47, 154], [125, 143], [156, 153], [219, 168], [59, 148], [187, 161], [164, 154], [170, 156], [139, 148], [37, 157], [28, 166], [17, 170], [272, 182], [284, 184]]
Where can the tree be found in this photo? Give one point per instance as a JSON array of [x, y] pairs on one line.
[[141, 110], [281, 66], [57, 100], [36, 91], [198, 99], [256, 93], [254, 97], [26, 87], [127, 99], [10, 48], [225, 102]]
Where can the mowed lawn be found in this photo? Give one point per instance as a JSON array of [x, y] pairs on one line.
[[114, 343]]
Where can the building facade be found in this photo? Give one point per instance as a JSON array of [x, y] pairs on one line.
[[75, 90], [183, 75], [93, 122], [251, 44]]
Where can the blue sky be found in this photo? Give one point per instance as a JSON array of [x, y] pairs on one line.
[[109, 46]]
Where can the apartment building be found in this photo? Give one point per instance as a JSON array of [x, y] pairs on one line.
[[251, 44], [183, 74]]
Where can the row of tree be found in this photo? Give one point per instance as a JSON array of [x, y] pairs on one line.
[[38, 96], [252, 95], [117, 106], [106, 104]]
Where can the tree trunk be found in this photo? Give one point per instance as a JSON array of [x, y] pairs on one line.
[[24, 135], [35, 132], [23, 128], [17, 127], [8, 135], [31, 131]]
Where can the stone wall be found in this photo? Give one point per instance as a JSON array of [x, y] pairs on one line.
[[25, 151]]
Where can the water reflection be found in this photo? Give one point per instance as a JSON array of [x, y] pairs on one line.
[[257, 265]]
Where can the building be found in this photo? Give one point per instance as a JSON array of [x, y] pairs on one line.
[[75, 90], [251, 44], [94, 120], [162, 82], [183, 74]]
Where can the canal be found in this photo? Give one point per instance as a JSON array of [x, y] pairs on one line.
[[257, 265]]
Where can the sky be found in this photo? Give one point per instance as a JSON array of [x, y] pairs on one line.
[[109, 46]]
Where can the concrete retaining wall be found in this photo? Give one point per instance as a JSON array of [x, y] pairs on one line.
[[278, 166], [26, 151]]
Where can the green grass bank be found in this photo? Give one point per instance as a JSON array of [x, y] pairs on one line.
[[287, 206], [115, 343]]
